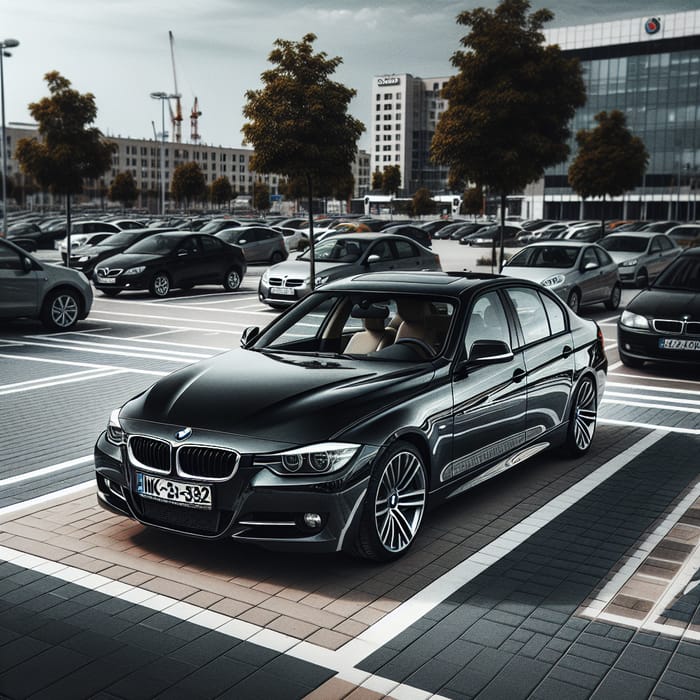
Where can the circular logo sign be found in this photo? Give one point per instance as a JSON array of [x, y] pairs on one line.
[[652, 25]]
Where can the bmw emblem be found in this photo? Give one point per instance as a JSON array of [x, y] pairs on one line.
[[652, 25], [183, 434]]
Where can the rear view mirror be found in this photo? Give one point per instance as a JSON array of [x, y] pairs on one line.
[[249, 335], [373, 259], [490, 351]]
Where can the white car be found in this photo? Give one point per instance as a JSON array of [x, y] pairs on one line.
[[86, 233]]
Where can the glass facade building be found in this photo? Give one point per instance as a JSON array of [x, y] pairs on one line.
[[648, 68]]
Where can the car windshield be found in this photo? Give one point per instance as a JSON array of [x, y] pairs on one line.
[[372, 326], [214, 226], [123, 238], [683, 274], [158, 244], [624, 244], [341, 250], [560, 257]]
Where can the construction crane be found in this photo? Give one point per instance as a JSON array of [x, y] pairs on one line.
[[195, 114], [176, 116]]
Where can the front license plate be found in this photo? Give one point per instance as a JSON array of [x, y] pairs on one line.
[[177, 492], [283, 291], [107, 280], [678, 344]]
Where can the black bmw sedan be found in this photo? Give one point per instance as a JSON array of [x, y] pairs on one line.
[[169, 260], [662, 323], [336, 426]]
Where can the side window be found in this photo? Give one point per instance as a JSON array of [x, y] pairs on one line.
[[382, 249], [655, 246], [487, 321], [603, 256], [664, 243], [557, 321], [190, 245], [210, 245], [531, 313], [404, 249], [9, 259]]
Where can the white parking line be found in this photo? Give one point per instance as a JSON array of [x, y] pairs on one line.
[[69, 363], [142, 339], [34, 384], [655, 406], [649, 426], [28, 476], [644, 387], [651, 397], [196, 329]]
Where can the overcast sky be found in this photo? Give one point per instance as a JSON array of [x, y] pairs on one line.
[[119, 50]]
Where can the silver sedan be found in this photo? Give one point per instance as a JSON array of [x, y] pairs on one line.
[[578, 272]]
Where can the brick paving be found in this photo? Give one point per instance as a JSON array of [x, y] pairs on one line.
[[516, 630]]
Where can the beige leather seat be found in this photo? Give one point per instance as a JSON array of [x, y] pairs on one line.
[[374, 337], [415, 315]]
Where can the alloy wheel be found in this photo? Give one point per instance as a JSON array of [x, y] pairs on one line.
[[64, 311], [585, 415], [400, 501]]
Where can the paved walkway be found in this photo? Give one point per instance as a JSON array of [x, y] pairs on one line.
[[563, 579]]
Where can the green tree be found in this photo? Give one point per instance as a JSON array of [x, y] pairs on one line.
[[391, 179], [68, 150], [261, 197], [610, 160], [123, 189], [377, 179], [511, 102], [298, 121], [188, 184], [221, 191], [423, 202]]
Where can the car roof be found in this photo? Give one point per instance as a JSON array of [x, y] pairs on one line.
[[560, 243], [634, 234]]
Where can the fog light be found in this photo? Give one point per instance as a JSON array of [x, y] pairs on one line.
[[312, 520]]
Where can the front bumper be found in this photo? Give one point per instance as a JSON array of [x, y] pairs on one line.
[[270, 293], [123, 282], [647, 345], [254, 505]]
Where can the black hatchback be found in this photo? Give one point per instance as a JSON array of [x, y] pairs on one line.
[[175, 259], [337, 426]]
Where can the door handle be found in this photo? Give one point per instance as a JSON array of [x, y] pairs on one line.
[[518, 374], [566, 351]]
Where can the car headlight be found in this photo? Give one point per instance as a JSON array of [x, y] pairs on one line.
[[266, 276], [76, 241], [629, 263], [634, 320], [135, 270], [313, 459], [84, 258], [554, 281], [115, 432]]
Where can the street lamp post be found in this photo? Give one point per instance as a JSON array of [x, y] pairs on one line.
[[162, 96], [5, 44]]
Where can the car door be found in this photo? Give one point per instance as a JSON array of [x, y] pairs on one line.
[[386, 255], [609, 274], [249, 241], [661, 252], [407, 255], [589, 281], [185, 265], [547, 347], [19, 287], [489, 401], [214, 261]]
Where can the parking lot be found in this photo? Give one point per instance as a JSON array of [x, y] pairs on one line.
[[563, 578]]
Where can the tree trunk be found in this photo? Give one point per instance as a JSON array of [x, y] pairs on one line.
[[68, 228], [312, 248]]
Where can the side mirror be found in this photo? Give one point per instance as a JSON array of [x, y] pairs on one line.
[[181, 253], [372, 259], [490, 352], [249, 335], [27, 264], [590, 266], [242, 241]]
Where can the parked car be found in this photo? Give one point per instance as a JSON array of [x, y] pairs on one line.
[[258, 243], [87, 258], [170, 260], [340, 256], [660, 226], [86, 233], [216, 225], [327, 432], [579, 273], [485, 236], [662, 323], [59, 297], [415, 233], [591, 233], [25, 234], [685, 235], [640, 255], [293, 237], [468, 229], [433, 227]]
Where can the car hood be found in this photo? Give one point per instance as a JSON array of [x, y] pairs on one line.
[[619, 256], [300, 268], [534, 274], [279, 397], [664, 303], [126, 260]]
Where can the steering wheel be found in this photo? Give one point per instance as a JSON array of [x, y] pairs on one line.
[[417, 344]]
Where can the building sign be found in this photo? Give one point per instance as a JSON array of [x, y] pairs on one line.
[[384, 82], [652, 25]]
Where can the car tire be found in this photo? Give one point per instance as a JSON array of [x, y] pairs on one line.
[[110, 292], [615, 295], [160, 285], [61, 310], [233, 279], [641, 279], [583, 418], [276, 258], [394, 504], [574, 300], [631, 362]]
